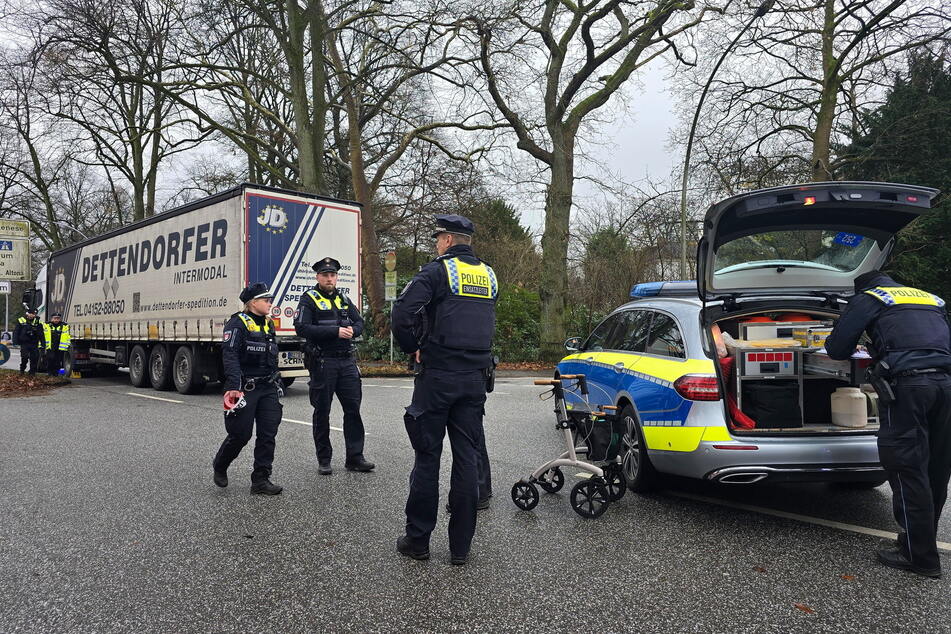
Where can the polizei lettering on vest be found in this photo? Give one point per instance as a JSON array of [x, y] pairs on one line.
[[175, 248]]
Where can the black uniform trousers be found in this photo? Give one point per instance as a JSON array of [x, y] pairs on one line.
[[914, 446], [339, 376], [54, 361], [455, 402], [31, 354], [263, 409]]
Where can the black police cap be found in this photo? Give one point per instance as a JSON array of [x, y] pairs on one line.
[[255, 291], [60, 315], [327, 265], [452, 223]]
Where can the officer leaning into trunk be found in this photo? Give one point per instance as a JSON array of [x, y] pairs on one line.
[[911, 346], [253, 389]]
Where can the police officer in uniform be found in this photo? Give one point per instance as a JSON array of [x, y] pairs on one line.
[[28, 334], [330, 322], [249, 356], [911, 345], [55, 342], [455, 296]]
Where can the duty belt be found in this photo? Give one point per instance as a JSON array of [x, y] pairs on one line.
[[250, 382], [918, 371], [335, 355]]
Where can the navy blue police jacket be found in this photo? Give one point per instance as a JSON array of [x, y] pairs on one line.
[[248, 349], [414, 315], [905, 341], [320, 324]]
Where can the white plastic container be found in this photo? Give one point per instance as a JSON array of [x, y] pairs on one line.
[[849, 407]]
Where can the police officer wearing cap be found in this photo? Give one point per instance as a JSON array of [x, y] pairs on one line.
[[330, 322], [911, 346], [249, 356], [28, 334], [55, 342], [454, 296]]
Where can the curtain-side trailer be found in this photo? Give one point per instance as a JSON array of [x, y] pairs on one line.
[[154, 296]]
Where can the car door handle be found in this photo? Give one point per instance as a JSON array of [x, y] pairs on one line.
[[619, 366]]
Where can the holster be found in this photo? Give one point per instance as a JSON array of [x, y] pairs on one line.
[[489, 374], [877, 376]]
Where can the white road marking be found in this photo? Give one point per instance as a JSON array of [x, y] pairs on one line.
[[154, 398], [310, 424], [874, 532]]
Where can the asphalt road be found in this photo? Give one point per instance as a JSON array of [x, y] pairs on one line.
[[109, 522]]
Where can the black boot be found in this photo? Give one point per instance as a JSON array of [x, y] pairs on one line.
[[324, 468], [360, 464], [265, 487], [896, 559], [404, 546]]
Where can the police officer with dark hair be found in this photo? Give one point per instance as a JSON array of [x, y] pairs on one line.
[[330, 322], [55, 342], [252, 389], [28, 334], [911, 345], [455, 296]]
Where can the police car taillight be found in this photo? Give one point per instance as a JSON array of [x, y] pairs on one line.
[[698, 387]]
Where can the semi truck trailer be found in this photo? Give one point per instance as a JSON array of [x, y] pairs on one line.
[[154, 296]]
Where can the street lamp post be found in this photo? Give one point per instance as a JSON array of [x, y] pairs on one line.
[[760, 12]]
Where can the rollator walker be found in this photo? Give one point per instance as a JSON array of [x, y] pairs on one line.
[[585, 435]]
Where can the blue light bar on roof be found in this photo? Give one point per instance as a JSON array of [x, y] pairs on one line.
[[654, 289]]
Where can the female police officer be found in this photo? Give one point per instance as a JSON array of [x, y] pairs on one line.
[[252, 389]]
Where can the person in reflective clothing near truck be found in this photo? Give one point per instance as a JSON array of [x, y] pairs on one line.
[[330, 322], [55, 343], [454, 297], [911, 346], [253, 389], [29, 335]]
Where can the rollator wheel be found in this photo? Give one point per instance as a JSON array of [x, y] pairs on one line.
[[590, 498], [616, 482], [552, 480], [525, 495]]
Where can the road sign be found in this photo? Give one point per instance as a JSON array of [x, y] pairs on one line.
[[389, 262], [389, 278], [4, 288], [390, 293], [14, 250]]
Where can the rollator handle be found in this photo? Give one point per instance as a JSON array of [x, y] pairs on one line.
[[546, 382], [610, 408], [571, 376]]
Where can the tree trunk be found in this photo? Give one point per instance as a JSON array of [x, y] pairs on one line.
[[309, 162], [372, 267], [554, 275], [822, 138]]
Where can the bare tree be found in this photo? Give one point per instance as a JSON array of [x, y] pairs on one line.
[[588, 52], [803, 73]]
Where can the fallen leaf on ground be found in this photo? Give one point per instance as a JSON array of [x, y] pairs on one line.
[[759, 569], [805, 608], [848, 577]]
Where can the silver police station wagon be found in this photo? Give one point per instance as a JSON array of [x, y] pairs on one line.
[[725, 379]]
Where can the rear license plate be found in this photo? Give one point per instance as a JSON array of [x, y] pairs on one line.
[[290, 358]]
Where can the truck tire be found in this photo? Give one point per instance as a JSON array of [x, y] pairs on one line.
[[139, 366], [160, 368], [185, 371]]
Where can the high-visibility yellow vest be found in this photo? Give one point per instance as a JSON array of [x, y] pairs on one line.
[[62, 329], [897, 295], [324, 303], [252, 325]]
